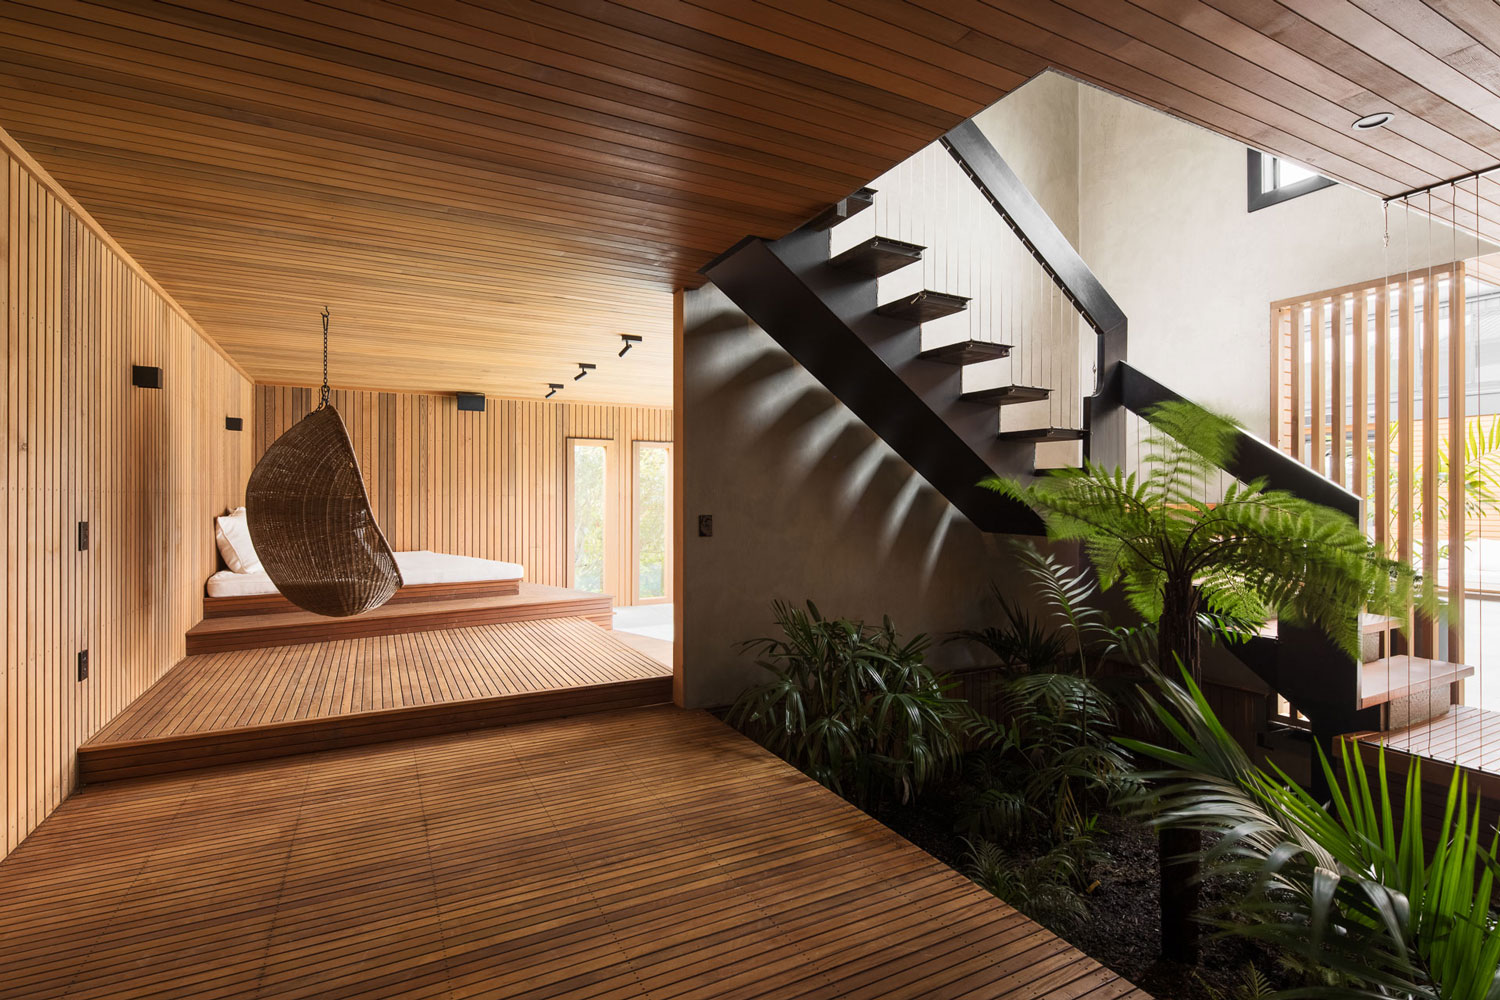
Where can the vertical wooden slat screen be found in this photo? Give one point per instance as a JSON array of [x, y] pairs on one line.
[[1336, 389], [1359, 413], [1406, 420], [1316, 395], [1382, 393], [491, 484], [147, 469], [1395, 455], [1457, 428]]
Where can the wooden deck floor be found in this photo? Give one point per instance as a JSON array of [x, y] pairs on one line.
[[648, 853], [1466, 737], [216, 707]]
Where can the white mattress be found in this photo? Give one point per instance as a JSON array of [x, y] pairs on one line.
[[416, 568]]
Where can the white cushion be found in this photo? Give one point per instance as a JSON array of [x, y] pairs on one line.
[[232, 532]]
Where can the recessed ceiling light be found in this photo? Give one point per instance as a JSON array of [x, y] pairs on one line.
[[1377, 120]]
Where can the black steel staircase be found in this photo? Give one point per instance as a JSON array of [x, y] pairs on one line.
[[823, 310]]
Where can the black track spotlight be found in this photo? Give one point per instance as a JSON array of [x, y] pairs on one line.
[[552, 388], [583, 369], [630, 341]]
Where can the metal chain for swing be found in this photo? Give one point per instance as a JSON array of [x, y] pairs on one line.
[[323, 392]]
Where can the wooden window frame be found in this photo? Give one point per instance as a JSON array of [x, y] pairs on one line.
[[611, 514]]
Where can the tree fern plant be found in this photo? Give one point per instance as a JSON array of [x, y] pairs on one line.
[[1183, 552], [1352, 890]]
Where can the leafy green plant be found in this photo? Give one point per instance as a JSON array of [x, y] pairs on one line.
[[1182, 557], [1049, 888], [853, 706], [1351, 889], [1252, 985], [1022, 643]]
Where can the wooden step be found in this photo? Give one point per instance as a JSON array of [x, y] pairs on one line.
[[1403, 676], [924, 306], [262, 604], [845, 208], [535, 602], [224, 708], [1042, 434], [1007, 395], [877, 256], [966, 352]]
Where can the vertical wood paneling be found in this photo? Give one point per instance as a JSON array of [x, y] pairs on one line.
[[147, 469], [491, 484], [1457, 422]]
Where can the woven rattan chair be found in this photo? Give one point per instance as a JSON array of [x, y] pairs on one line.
[[311, 523]]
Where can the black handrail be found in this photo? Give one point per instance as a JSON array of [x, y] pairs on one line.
[[1043, 240], [1253, 457]]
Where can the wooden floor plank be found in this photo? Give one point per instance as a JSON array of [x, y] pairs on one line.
[[650, 852]]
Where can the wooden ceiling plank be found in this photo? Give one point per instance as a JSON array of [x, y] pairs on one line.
[[1224, 73], [802, 91], [429, 192], [1043, 20], [562, 169], [1398, 85], [431, 100], [1319, 83]]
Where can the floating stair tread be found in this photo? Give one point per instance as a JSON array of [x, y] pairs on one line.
[[966, 352], [1395, 677], [924, 306], [845, 208], [1004, 395], [1042, 434], [877, 256]]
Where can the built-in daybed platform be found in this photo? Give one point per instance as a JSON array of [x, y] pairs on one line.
[[420, 612], [249, 704]]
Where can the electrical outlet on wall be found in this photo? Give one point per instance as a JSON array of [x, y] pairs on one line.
[[83, 536], [83, 664], [705, 525]]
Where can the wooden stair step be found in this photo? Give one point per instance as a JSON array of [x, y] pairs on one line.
[[877, 256], [1042, 434], [924, 306], [966, 352], [1402, 676], [1006, 395], [845, 208], [535, 602]]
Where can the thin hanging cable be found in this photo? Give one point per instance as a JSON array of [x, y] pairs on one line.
[[323, 392]]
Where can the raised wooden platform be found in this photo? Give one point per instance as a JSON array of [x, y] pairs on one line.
[[262, 604], [1466, 737], [252, 704], [534, 602], [647, 853]]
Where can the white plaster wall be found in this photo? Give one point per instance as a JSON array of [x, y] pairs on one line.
[[1156, 207]]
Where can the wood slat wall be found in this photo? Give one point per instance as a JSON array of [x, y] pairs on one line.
[[1334, 410], [146, 468], [491, 484]]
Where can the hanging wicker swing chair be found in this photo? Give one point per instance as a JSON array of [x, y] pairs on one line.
[[310, 518]]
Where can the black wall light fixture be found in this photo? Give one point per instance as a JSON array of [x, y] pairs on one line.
[[552, 388], [145, 377], [583, 369], [472, 402], [630, 341]]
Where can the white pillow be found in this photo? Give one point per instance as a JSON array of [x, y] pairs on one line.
[[233, 535]]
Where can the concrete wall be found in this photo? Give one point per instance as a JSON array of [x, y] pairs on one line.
[[807, 503]]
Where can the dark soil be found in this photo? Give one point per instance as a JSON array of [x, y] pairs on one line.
[[1123, 930]]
